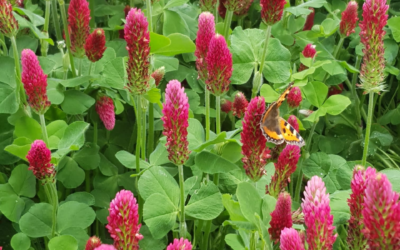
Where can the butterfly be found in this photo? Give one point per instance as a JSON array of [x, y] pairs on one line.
[[275, 128]]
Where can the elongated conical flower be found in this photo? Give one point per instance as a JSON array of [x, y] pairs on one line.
[[294, 97], [105, 109], [355, 238], [381, 214], [106, 247], [254, 151], [292, 120], [281, 217], [92, 243], [308, 52], [158, 75], [8, 24], [35, 82], [78, 25], [271, 11], [176, 115], [204, 34], [349, 19], [123, 221], [137, 38], [239, 105], [95, 45], [373, 65], [310, 20], [180, 244], [208, 5], [317, 215], [284, 167], [39, 158], [219, 66], [290, 240]]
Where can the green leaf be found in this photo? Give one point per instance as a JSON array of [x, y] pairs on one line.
[[114, 74], [73, 137], [334, 68], [336, 104], [82, 197], [174, 3], [269, 94], [329, 26], [88, 157], [37, 221], [196, 133], [233, 208], [170, 63], [20, 147], [20, 241], [79, 234], [220, 138], [268, 206], [234, 241], [339, 207], [69, 173], [159, 218], [249, 200], [153, 95], [394, 177], [55, 92], [24, 23], [179, 44], [205, 203], [28, 127], [157, 180], [393, 116], [55, 131], [63, 242], [11, 205], [232, 151], [158, 41], [23, 181], [76, 102], [74, 214], [74, 82], [174, 23], [6, 66], [148, 242], [315, 93], [212, 164], [160, 155], [302, 9], [129, 160], [8, 100], [394, 25]]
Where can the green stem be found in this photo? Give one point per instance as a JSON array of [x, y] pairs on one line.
[[144, 134], [67, 38], [264, 53], [45, 44], [240, 21], [54, 199], [55, 20], [218, 114], [182, 223], [92, 17], [20, 89], [3, 44], [204, 244], [207, 104], [149, 14], [44, 130], [150, 143], [227, 23], [368, 129]]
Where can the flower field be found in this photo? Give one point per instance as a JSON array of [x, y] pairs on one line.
[[199, 124]]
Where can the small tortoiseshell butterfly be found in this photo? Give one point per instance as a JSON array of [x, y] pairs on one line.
[[275, 128]]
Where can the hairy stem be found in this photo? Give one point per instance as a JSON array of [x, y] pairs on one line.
[[227, 23], [207, 104], [368, 129], [44, 129], [182, 222], [150, 143]]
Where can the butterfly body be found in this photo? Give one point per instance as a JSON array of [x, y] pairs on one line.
[[275, 128]]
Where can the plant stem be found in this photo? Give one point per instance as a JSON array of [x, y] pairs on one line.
[[67, 38], [368, 129], [182, 224], [264, 53], [45, 44], [44, 130], [20, 89], [204, 245], [150, 143], [227, 23], [207, 104], [3, 44], [92, 17], [218, 114], [55, 20], [51, 192], [149, 14], [144, 134]]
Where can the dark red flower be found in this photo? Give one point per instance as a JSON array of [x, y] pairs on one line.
[[95, 45], [281, 217], [239, 105], [310, 20], [271, 11], [78, 25]]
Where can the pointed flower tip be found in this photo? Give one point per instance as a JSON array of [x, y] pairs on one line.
[[349, 19], [39, 158], [78, 25], [272, 10], [281, 217], [204, 34], [290, 240], [294, 97], [239, 105], [180, 244], [92, 243], [175, 118], [95, 45], [8, 23], [105, 109]]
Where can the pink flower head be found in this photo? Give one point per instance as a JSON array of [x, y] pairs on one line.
[[92, 243], [310, 20], [106, 247], [226, 106], [284, 167], [281, 217], [349, 19], [123, 221], [219, 66], [317, 215], [254, 151], [95, 45], [208, 5], [137, 38], [78, 25], [373, 65], [381, 214], [355, 237], [204, 34], [294, 97], [293, 121], [181, 244], [8, 23], [35, 82], [239, 105], [105, 109], [175, 117], [158, 75], [39, 158], [290, 240], [271, 11]]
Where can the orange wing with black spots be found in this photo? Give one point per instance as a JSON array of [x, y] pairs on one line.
[[290, 135]]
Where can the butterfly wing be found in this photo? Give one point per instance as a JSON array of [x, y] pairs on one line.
[[270, 124], [290, 135], [284, 95]]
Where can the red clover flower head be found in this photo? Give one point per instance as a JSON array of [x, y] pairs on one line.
[[290, 240], [92, 243], [180, 244], [8, 23], [78, 25], [208, 5], [349, 19], [294, 97], [226, 106], [95, 45], [281, 217], [243, 8], [204, 34], [239, 105], [137, 38], [123, 221], [39, 158], [310, 20], [158, 75], [292, 120], [271, 11], [175, 117], [105, 109], [35, 82]]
